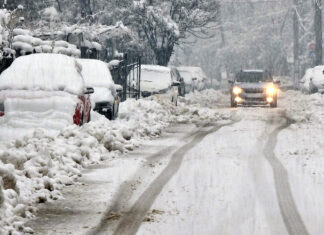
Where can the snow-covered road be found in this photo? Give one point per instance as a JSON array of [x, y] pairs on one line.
[[259, 172]]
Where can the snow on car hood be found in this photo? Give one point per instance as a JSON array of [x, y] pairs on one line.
[[26, 111], [253, 85], [48, 72]]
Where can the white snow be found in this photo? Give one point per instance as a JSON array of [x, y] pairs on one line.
[[39, 91], [49, 72], [27, 43], [26, 111], [189, 203], [41, 165]]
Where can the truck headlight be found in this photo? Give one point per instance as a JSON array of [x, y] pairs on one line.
[[269, 99], [237, 90], [271, 90]]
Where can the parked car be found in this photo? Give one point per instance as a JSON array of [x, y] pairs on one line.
[[105, 99], [44, 91], [194, 78], [157, 79], [254, 87], [313, 80]]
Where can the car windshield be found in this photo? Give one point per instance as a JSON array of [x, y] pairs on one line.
[[253, 77]]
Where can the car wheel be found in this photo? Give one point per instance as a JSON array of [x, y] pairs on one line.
[[108, 115], [81, 120], [274, 103], [233, 103]]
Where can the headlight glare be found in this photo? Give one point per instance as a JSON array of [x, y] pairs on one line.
[[271, 90], [237, 90]]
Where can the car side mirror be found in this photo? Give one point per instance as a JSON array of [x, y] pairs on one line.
[[89, 90], [194, 79], [175, 83], [277, 82], [231, 81]]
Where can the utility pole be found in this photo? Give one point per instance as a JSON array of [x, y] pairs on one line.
[[296, 44], [318, 32]]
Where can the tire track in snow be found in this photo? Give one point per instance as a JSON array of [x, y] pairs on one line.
[[131, 221], [291, 217], [125, 191]]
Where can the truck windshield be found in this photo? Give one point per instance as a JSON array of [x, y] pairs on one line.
[[253, 77]]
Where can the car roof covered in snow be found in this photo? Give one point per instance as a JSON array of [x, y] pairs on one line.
[[156, 68], [48, 72], [96, 73], [253, 71], [190, 72]]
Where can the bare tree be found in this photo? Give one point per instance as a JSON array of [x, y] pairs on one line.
[[318, 32]]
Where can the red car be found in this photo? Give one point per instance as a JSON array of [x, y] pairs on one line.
[[83, 109], [44, 91]]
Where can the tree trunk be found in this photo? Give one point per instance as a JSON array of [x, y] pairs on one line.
[[318, 33], [296, 45], [85, 7], [163, 55]]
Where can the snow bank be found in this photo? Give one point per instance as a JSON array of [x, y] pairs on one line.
[[303, 108], [49, 72], [34, 169], [155, 78]]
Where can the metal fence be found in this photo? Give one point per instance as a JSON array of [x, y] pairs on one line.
[[128, 74]]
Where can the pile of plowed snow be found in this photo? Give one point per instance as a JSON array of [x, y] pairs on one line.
[[34, 169], [303, 108]]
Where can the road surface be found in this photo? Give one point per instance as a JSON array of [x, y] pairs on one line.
[[216, 178]]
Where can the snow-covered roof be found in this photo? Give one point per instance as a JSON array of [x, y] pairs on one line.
[[96, 73], [26, 43], [155, 78], [49, 72]]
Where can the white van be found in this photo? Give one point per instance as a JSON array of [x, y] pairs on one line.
[[157, 79]]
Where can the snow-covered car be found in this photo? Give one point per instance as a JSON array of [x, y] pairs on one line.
[[157, 79], [44, 91], [105, 99], [313, 80], [194, 78], [254, 87]]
